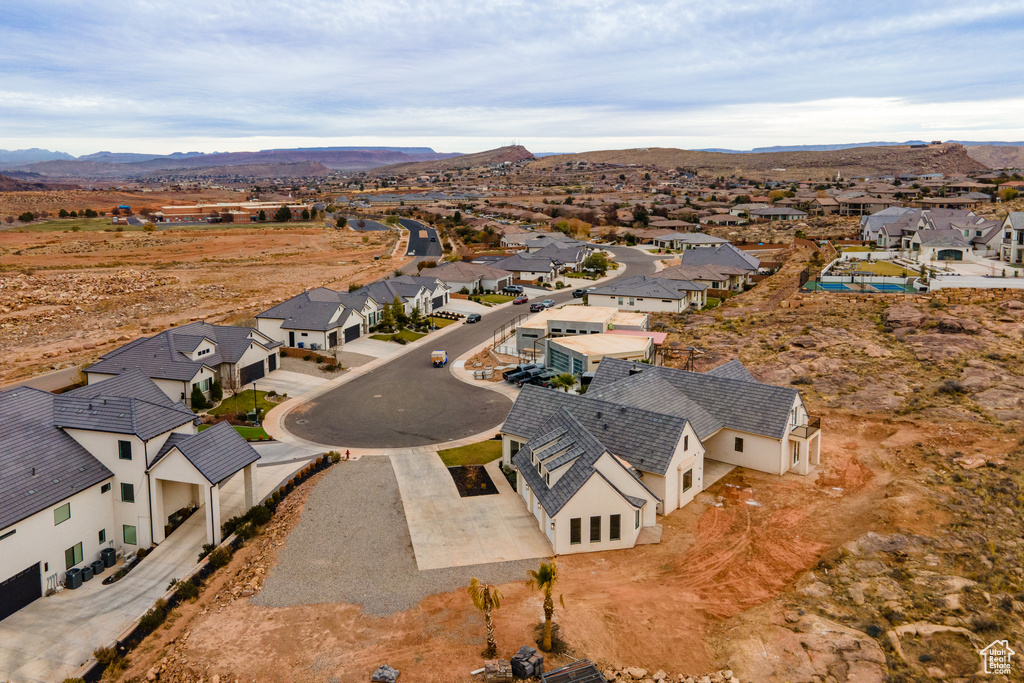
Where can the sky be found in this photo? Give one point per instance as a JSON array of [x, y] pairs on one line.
[[152, 76]]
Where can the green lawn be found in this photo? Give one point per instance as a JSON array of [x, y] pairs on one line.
[[496, 298], [407, 335], [441, 322], [85, 224], [242, 403], [845, 248], [884, 268], [246, 432], [473, 454]]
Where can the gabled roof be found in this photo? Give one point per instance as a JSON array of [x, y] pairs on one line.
[[217, 453], [463, 271], [29, 439], [316, 309], [712, 273], [526, 262], [563, 441], [736, 403], [1015, 219], [949, 239], [732, 370], [646, 439], [165, 356], [651, 287], [723, 255]]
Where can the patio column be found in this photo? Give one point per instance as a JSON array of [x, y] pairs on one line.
[[212, 515], [249, 481], [156, 495]]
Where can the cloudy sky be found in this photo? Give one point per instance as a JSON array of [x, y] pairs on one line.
[[559, 75]]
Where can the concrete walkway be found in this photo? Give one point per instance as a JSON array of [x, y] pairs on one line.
[[448, 530], [51, 638]]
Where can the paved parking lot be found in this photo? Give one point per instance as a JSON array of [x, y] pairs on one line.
[[448, 530]]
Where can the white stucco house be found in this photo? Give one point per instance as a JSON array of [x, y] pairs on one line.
[[426, 293], [657, 425], [104, 466], [193, 355], [319, 318], [472, 277], [650, 294]]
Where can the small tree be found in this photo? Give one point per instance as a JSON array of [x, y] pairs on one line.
[[305, 214], [564, 381], [387, 317], [486, 598], [63, 213], [416, 317], [543, 579], [283, 215], [26, 217], [216, 391], [398, 313], [262, 216], [598, 261], [198, 398], [341, 222]]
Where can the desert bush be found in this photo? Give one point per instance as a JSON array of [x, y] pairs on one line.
[[803, 379], [141, 553], [207, 549], [335, 457], [220, 557], [155, 616], [105, 655], [952, 387], [187, 590]]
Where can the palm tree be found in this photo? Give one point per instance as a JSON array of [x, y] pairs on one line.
[[544, 579], [564, 381], [485, 598]]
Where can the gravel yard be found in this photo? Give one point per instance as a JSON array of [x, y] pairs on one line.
[[353, 546]]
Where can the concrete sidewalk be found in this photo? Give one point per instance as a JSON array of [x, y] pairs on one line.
[[448, 530], [51, 638]]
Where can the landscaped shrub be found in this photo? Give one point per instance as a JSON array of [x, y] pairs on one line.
[[105, 655], [199, 399], [220, 557], [246, 530], [141, 553], [258, 515], [335, 457], [216, 391], [207, 549], [187, 590], [154, 617]]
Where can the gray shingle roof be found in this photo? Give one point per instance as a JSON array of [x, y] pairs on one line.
[[722, 255], [562, 432], [109, 406], [646, 439], [739, 404], [652, 287], [217, 453], [29, 439], [734, 369], [525, 262], [163, 356], [654, 393]]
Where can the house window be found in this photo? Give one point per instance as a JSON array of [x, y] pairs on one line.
[[8, 534], [738, 445], [105, 487], [124, 450], [595, 529], [514, 446], [62, 514], [575, 531], [796, 452], [636, 521], [103, 535], [687, 480], [547, 478], [73, 555], [305, 334], [631, 302], [614, 527], [620, 300], [128, 493], [129, 535], [686, 442]]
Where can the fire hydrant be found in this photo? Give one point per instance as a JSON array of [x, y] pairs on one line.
[[347, 455]]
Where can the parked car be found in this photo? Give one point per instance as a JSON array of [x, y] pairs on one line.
[[512, 289], [514, 378], [579, 293], [543, 378], [548, 303], [519, 368], [534, 308], [473, 318], [525, 377], [521, 300]]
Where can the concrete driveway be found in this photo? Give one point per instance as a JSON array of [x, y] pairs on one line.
[[465, 307], [49, 639], [373, 347], [285, 382], [448, 530]]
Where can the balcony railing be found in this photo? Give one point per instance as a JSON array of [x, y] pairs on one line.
[[806, 431]]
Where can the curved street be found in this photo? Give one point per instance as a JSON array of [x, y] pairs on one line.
[[408, 402]]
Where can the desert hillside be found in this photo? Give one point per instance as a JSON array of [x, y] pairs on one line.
[[948, 159], [500, 155], [997, 156]]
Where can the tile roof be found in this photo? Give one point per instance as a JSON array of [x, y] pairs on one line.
[[463, 271], [576, 447], [646, 439], [30, 441], [733, 370], [318, 309], [737, 403], [712, 273], [525, 262], [649, 286], [723, 255], [217, 452]]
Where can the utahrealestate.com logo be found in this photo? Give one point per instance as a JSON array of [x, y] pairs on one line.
[[996, 658]]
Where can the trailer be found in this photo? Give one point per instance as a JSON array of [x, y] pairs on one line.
[[439, 358]]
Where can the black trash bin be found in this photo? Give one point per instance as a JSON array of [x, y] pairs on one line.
[[109, 557], [86, 573], [73, 578], [97, 567]]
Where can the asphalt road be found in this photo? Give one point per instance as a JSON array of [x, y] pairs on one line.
[[421, 246], [408, 402]]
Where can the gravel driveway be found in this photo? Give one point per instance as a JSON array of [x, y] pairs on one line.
[[353, 546]]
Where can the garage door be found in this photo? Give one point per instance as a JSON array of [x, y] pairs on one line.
[[437, 302], [272, 362], [352, 333], [20, 590], [251, 373]]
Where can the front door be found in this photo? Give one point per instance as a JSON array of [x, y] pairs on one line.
[[332, 340], [291, 339]]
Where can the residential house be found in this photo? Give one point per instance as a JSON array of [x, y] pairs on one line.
[[582, 353], [658, 425], [182, 358], [471, 277], [571, 320], [723, 219], [1012, 249], [717, 279], [106, 465], [722, 255], [530, 267], [650, 294], [320, 318], [860, 205], [872, 224], [424, 293], [778, 213], [940, 245], [743, 210], [687, 240]]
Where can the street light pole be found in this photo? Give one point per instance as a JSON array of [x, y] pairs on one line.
[[255, 407]]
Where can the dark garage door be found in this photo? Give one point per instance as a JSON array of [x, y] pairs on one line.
[[19, 590], [272, 362], [437, 302], [352, 333], [252, 372]]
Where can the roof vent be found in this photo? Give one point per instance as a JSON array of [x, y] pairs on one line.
[[33, 471], [599, 415], [56, 481], [31, 491]]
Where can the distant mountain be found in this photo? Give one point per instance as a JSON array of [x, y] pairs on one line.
[[850, 145], [129, 157], [20, 157], [8, 184], [998, 155], [500, 155], [301, 169]]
